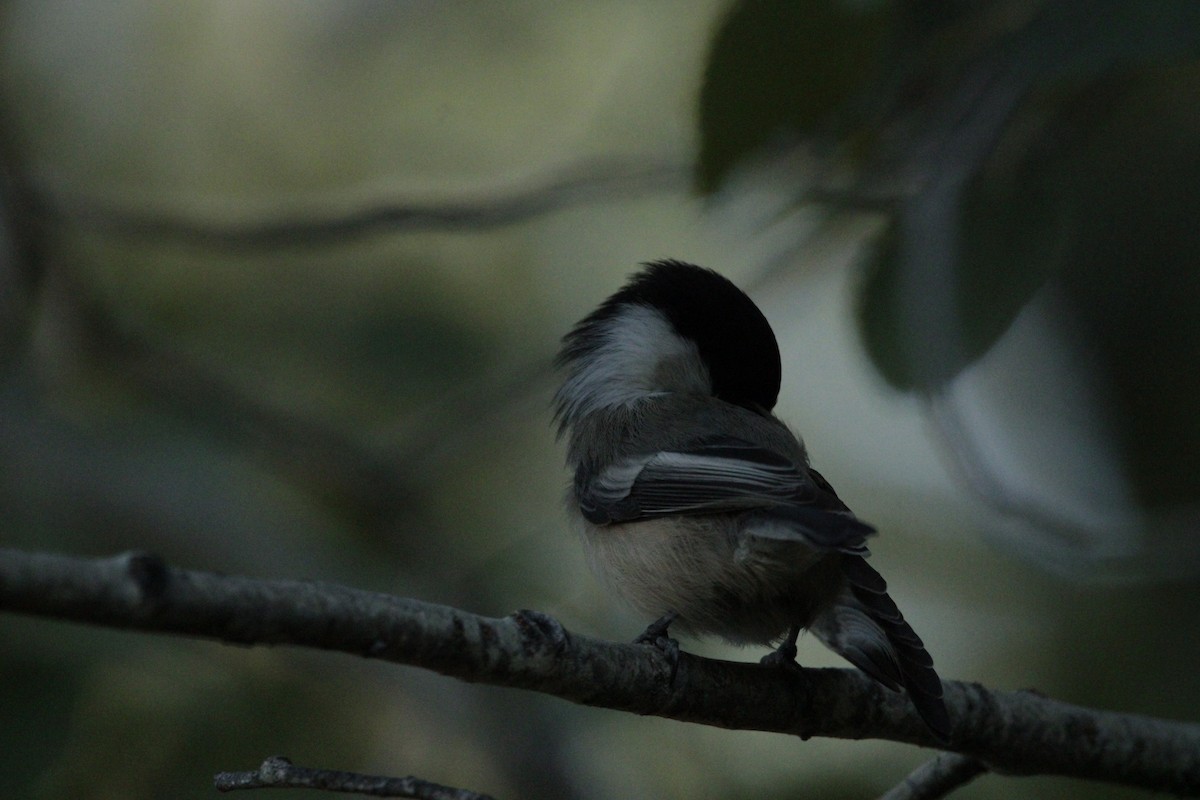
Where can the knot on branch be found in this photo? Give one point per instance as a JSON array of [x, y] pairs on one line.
[[148, 576], [540, 633]]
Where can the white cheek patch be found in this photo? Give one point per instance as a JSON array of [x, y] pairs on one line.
[[638, 354]]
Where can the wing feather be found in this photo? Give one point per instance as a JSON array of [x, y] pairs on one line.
[[719, 476]]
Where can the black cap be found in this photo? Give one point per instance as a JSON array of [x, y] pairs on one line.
[[733, 337]]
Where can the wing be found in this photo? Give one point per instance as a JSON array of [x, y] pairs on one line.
[[723, 475]]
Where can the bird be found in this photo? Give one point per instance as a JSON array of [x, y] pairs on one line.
[[698, 505]]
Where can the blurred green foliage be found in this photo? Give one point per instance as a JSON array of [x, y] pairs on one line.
[[1056, 152], [778, 71]]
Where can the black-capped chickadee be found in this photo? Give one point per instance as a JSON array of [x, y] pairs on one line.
[[698, 504]]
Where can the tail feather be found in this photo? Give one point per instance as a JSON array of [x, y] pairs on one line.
[[867, 629], [848, 631]]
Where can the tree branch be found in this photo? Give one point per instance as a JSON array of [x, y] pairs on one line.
[[278, 772], [505, 205], [937, 778], [1014, 732]]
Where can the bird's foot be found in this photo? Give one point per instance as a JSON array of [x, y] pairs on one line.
[[784, 656], [656, 636], [782, 659], [657, 630]]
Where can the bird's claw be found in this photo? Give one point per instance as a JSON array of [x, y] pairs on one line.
[[656, 636], [657, 630], [784, 656], [779, 659]]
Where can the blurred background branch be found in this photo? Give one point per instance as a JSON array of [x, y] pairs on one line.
[[370, 485]]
